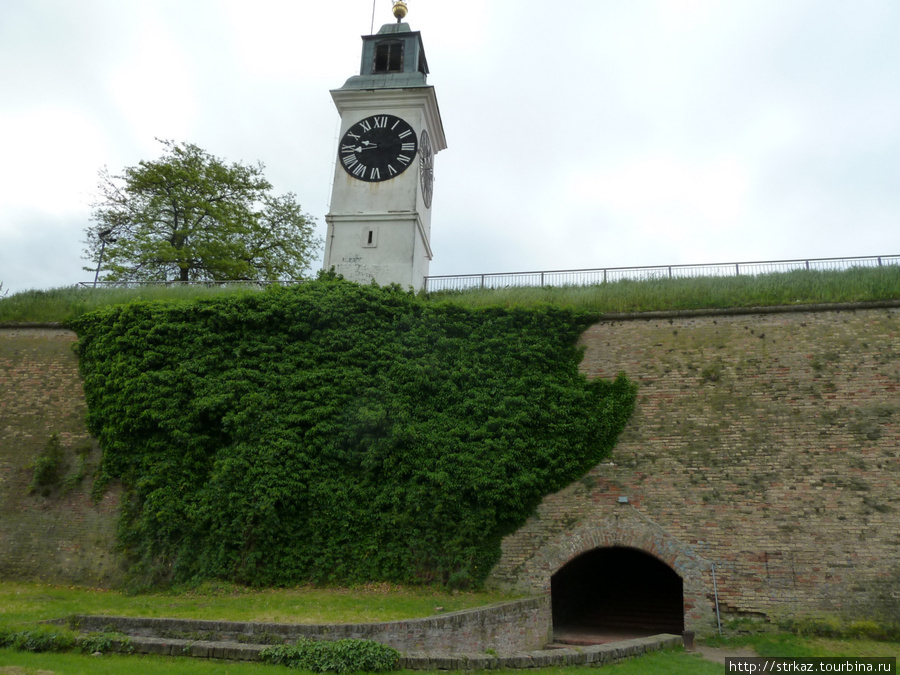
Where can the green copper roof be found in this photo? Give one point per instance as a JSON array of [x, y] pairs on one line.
[[394, 28], [401, 62]]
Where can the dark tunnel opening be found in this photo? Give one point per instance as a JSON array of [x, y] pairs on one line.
[[617, 590]]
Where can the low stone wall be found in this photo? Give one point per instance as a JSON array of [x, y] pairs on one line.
[[595, 655], [509, 627]]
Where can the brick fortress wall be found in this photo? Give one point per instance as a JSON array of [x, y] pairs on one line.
[[56, 533], [764, 449], [763, 446]]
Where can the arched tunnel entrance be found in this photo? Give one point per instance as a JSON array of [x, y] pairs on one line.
[[616, 592]]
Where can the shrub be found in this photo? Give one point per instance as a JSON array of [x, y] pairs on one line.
[[871, 630], [47, 467], [340, 656], [833, 627], [39, 639], [104, 642], [816, 626]]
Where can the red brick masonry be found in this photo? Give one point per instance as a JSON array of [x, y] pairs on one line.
[[766, 445]]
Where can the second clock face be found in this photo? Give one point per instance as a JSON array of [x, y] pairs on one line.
[[426, 167], [378, 148]]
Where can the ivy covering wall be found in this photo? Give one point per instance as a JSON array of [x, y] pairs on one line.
[[334, 432]]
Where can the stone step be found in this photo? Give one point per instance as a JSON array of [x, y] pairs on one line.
[[200, 649]]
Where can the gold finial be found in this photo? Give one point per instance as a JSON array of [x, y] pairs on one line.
[[400, 10]]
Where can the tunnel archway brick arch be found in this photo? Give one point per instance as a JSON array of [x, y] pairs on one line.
[[627, 528]]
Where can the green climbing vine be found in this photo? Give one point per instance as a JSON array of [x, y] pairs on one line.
[[334, 432]]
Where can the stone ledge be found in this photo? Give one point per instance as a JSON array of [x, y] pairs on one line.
[[231, 651], [575, 656], [593, 655]]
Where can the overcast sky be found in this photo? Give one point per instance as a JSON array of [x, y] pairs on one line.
[[581, 134]]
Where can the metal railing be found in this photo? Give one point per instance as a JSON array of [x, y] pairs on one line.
[[602, 275]]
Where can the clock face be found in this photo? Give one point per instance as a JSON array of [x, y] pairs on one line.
[[426, 167], [378, 148]]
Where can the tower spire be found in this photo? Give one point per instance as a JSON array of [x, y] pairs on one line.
[[400, 10]]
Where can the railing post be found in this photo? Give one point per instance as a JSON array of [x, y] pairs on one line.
[[482, 281], [737, 269]]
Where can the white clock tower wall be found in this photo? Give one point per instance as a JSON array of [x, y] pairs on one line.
[[379, 222]]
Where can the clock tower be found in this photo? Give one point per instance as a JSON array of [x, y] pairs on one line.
[[379, 223]]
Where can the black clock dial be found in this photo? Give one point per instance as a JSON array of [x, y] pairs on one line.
[[426, 167], [378, 148]]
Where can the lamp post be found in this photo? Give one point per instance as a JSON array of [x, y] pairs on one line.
[[104, 240]]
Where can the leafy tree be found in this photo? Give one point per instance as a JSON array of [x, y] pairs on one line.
[[189, 216]]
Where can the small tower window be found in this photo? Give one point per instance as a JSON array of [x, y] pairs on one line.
[[389, 57]]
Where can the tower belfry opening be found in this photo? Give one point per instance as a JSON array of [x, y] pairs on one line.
[[388, 57], [615, 592]]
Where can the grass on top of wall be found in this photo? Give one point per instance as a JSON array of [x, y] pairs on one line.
[[62, 304], [799, 287], [765, 290]]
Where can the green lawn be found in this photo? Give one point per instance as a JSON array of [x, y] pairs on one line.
[[29, 602], [782, 644], [25, 663], [22, 605], [661, 663], [675, 662]]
